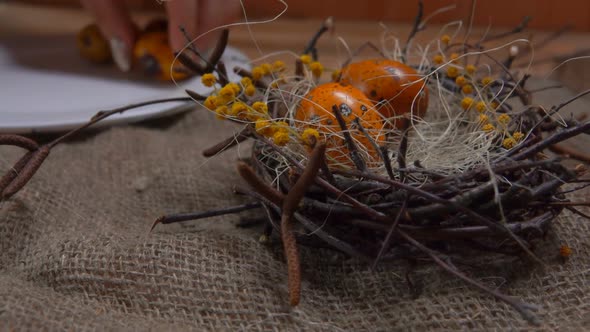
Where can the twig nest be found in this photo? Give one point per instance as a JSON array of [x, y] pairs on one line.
[[394, 87], [316, 111]]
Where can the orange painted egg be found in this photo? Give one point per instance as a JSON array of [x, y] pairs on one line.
[[155, 58], [315, 111], [93, 45], [394, 87]]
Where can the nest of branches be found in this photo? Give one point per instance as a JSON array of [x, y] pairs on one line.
[[383, 193]]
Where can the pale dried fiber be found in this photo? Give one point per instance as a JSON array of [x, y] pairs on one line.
[[75, 254]]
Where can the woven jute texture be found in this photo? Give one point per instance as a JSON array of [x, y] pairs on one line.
[[76, 253]]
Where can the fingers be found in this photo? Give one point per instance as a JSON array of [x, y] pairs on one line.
[[198, 17], [182, 14], [195, 16], [115, 23]]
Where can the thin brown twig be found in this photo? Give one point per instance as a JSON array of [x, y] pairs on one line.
[[29, 169], [222, 73], [468, 212], [360, 49], [578, 212], [382, 151], [191, 47], [415, 28], [525, 309], [327, 24], [218, 50], [325, 184], [180, 217], [309, 225], [402, 150], [570, 152], [26, 173], [290, 205], [20, 141], [353, 150], [259, 185], [299, 70], [195, 95], [553, 139], [186, 61], [105, 114], [519, 28], [389, 236], [15, 170], [544, 42], [562, 204], [227, 143], [429, 233]]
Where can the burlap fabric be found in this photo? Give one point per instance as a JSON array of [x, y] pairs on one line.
[[76, 254]]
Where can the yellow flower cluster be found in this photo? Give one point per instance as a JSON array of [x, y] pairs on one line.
[[278, 66], [229, 91], [501, 121], [467, 89], [208, 79], [305, 59], [470, 69], [466, 103], [504, 119], [488, 127], [508, 143], [225, 102], [310, 136], [266, 69], [281, 137], [460, 80], [475, 93], [464, 76], [452, 71], [512, 140], [277, 131], [438, 59], [221, 111], [257, 73], [316, 68], [481, 106], [249, 88]]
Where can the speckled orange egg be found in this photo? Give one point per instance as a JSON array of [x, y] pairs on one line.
[[315, 111], [93, 45], [393, 86], [153, 55]]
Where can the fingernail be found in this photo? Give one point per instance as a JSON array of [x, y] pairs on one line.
[[120, 54]]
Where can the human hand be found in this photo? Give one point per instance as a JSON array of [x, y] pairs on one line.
[[196, 16]]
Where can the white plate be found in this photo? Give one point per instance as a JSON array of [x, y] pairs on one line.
[[46, 87]]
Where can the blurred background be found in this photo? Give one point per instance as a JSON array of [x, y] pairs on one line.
[[547, 14], [566, 23]]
